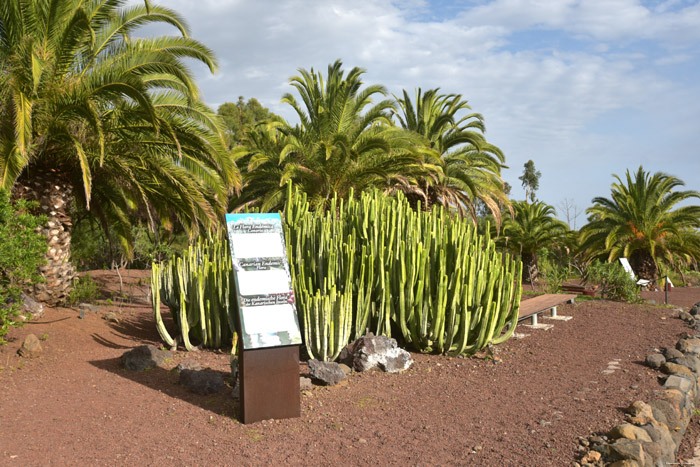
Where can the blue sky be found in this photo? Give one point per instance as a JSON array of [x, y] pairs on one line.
[[585, 88]]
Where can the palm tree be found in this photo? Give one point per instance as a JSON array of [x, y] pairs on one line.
[[344, 140], [639, 222], [532, 227], [469, 166], [84, 104]]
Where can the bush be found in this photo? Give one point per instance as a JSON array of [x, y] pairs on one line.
[[614, 281], [84, 290], [22, 251], [554, 272]]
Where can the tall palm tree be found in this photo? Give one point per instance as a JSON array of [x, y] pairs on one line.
[[532, 227], [344, 139], [639, 222], [469, 166], [89, 112]]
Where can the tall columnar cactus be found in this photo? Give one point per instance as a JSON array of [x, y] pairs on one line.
[[197, 288], [430, 275], [369, 263]]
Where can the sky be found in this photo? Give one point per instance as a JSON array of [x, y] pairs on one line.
[[584, 88]]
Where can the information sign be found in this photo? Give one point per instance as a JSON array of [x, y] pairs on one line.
[[266, 305]]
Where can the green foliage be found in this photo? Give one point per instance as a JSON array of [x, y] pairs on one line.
[[369, 263], [641, 221], [426, 274], [83, 92], [84, 290], [240, 118], [22, 251], [552, 268], [198, 289], [615, 283], [530, 180], [465, 169]]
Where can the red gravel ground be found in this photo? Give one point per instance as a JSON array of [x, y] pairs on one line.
[[75, 405]]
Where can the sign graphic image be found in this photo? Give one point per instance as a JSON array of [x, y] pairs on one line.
[[266, 305]]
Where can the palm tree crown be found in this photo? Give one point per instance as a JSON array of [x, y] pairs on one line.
[[639, 221], [468, 167], [85, 104]]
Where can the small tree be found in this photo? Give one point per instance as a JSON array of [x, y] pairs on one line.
[[21, 253], [530, 180]]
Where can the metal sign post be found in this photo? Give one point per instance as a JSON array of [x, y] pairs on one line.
[[269, 336]]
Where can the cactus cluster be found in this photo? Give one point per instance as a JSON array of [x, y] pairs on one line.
[[427, 275], [198, 289], [368, 263]]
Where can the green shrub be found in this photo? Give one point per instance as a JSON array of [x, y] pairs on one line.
[[22, 251], [554, 272], [84, 290], [615, 283]]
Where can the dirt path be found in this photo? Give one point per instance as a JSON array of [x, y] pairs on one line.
[[75, 405]]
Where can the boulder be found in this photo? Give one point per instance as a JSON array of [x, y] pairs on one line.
[[695, 309], [31, 347], [670, 353], [655, 360], [144, 357], [627, 449], [625, 463], [31, 306], [691, 345], [675, 369], [639, 413], [665, 414], [689, 361], [326, 373], [660, 435], [629, 431], [202, 382], [370, 351], [687, 317]]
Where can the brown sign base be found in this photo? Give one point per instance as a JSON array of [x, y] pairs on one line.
[[269, 380]]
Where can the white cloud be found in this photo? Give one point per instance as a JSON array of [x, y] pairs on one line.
[[612, 61]]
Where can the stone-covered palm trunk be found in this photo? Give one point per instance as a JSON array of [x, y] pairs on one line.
[[53, 192], [643, 265]]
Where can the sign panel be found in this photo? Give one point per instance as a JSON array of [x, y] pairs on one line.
[[266, 305]]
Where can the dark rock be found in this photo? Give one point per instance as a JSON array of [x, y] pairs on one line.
[[202, 382], [655, 360], [691, 345], [627, 449], [660, 435], [695, 309], [31, 306], [144, 357], [665, 414], [326, 373], [671, 353], [189, 365], [31, 347], [346, 369], [653, 453], [370, 351]]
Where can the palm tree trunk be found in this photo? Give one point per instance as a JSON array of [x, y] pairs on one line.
[[54, 194], [644, 265]]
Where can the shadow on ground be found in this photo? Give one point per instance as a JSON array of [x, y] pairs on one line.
[[166, 381]]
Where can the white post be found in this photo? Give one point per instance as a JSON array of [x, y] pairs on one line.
[[554, 312], [534, 319]]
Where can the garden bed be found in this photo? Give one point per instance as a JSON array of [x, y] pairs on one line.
[[525, 404]]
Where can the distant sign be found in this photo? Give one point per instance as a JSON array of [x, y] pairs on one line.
[[266, 306]]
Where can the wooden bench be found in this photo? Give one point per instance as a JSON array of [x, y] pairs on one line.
[[532, 307], [579, 289]]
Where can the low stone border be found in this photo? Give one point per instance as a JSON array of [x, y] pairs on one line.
[[654, 430]]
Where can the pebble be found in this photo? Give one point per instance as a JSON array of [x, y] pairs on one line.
[[363, 441]]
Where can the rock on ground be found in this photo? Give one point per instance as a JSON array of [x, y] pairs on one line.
[[31, 347], [202, 382], [144, 357], [326, 373], [370, 351]]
